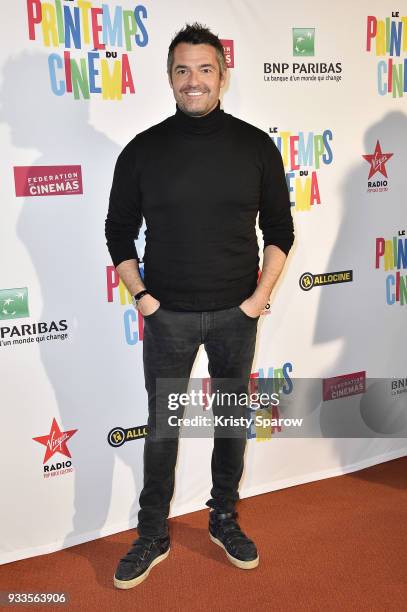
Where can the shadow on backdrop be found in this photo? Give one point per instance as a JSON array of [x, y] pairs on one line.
[[362, 319], [64, 237]]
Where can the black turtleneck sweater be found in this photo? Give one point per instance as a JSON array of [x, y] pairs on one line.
[[199, 183]]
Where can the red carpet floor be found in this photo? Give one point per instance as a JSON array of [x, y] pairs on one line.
[[336, 544]]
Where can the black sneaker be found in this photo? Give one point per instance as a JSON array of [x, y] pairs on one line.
[[224, 530], [142, 556]]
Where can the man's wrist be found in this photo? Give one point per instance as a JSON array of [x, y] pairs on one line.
[[139, 296], [260, 299]]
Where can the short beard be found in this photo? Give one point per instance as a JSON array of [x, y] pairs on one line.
[[194, 113], [197, 113]]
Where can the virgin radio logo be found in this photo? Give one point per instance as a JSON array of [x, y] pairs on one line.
[[106, 31], [35, 181], [56, 443], [391, 256], [377, 161]]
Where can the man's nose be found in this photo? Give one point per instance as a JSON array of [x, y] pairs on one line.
[[193, 79]]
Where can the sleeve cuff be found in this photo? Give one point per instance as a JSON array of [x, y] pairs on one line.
[[284, 244], [120, 253]]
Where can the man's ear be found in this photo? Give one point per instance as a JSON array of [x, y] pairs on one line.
[[169, 79], [223, 77]]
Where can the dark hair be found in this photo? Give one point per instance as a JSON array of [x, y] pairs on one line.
[[196, 34]]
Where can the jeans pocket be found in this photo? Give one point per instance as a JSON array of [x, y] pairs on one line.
[[246, 315], [150, 316]]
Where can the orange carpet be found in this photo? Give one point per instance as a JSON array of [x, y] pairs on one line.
[[336, 544]]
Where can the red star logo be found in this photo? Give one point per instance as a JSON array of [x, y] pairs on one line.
[[55, 441], [377, 161]]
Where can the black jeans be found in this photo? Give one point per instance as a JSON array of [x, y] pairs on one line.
[[171, 342]]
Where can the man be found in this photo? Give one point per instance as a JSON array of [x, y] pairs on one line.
[[199, 178]]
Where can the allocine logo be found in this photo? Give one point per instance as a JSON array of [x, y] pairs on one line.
[[133, 322], [229, 52], [118, 435], [34, 181], [391, 256], [303, 42], [388, 36], [14, 303], [377, 161], [303, 45], [344, 385], [308, 281], [56, 442]]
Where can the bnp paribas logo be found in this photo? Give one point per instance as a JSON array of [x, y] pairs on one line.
[[303, 42], [14, 303]]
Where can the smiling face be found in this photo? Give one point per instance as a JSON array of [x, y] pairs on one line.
[[196, 79]]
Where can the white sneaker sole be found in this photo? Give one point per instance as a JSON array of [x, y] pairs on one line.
[[129, 584], [237, 562]]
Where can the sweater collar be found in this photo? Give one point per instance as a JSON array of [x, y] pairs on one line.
[[212, 122]]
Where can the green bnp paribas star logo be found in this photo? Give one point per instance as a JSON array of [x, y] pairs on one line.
[[304, 42], [14, 303]]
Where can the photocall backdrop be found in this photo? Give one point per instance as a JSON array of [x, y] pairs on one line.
[[78, 81]]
